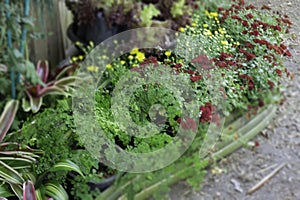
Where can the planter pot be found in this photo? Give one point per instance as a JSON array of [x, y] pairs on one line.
[[96, 32], [246, 127]]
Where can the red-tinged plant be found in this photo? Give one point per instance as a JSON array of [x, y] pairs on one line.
[[35, 93], [29, 191]]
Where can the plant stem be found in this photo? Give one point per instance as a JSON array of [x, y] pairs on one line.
[[23, 34], [9, 44]]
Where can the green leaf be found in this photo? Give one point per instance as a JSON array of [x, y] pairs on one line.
[[9, 174], [56, 191], [7, 117], [148, 13], [178, 8], [17, 190], [4, 191], [66, 165]]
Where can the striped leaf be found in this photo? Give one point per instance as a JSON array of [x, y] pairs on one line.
[[9, 174], [66, 165], [7, 117], [56, 191]]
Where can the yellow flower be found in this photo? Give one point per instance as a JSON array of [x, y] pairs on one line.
[[168, 53], [181, 29], [130, 57], [194, 24], [207, 33], [74, 59], [92, 68], [205, 25], [77, 43], [122, 62], [91, 43], [140, 56], [213, 14], [80, 57], [134, 51], [224, 42], [109, 66]]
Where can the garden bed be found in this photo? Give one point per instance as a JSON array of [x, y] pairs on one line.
[[217, 84]]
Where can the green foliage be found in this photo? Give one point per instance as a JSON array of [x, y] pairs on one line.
[[148, 12]]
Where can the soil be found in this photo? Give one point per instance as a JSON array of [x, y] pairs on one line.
[[279, 142]]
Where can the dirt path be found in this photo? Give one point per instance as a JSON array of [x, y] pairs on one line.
[[245, 167]]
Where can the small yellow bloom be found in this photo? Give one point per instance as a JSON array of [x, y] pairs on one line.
[[224, 42], [181, 29], [74, 59], [91, 43], [78, 43], [168, 53], [130, 57], [140, 56], [122, 62], [194, 24], [92, 68], [205, 25], [134, 51], [207, 33], [109, 66], [213, 14], [80, 57]]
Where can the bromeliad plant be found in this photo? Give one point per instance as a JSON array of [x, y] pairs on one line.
[[59, 86]]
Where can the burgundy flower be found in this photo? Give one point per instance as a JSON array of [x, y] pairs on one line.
[[260, 103], [188, 124], [250, 84], [195, 78], [221, 64], [250, 7], [265, 7], [236, 17], [249, 16], [279, 72], [255, 33], [245, 23], [278, 28], [249, 45], [245, 32], [271, 84], [189, 71]]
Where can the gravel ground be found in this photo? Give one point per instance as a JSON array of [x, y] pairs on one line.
[[279, 143]]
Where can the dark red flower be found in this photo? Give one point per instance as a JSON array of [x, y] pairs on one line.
[[249, 16], [250, 84], [255, 33], [249, 45], [278, 28], [189, 71], [245, 32], [250, 7], [187, 124], [195, 78], [236, 17], [265, 7], [245, 23], [271, 84], [221, 64], [279, 72], [260, 103], [287, 53]]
